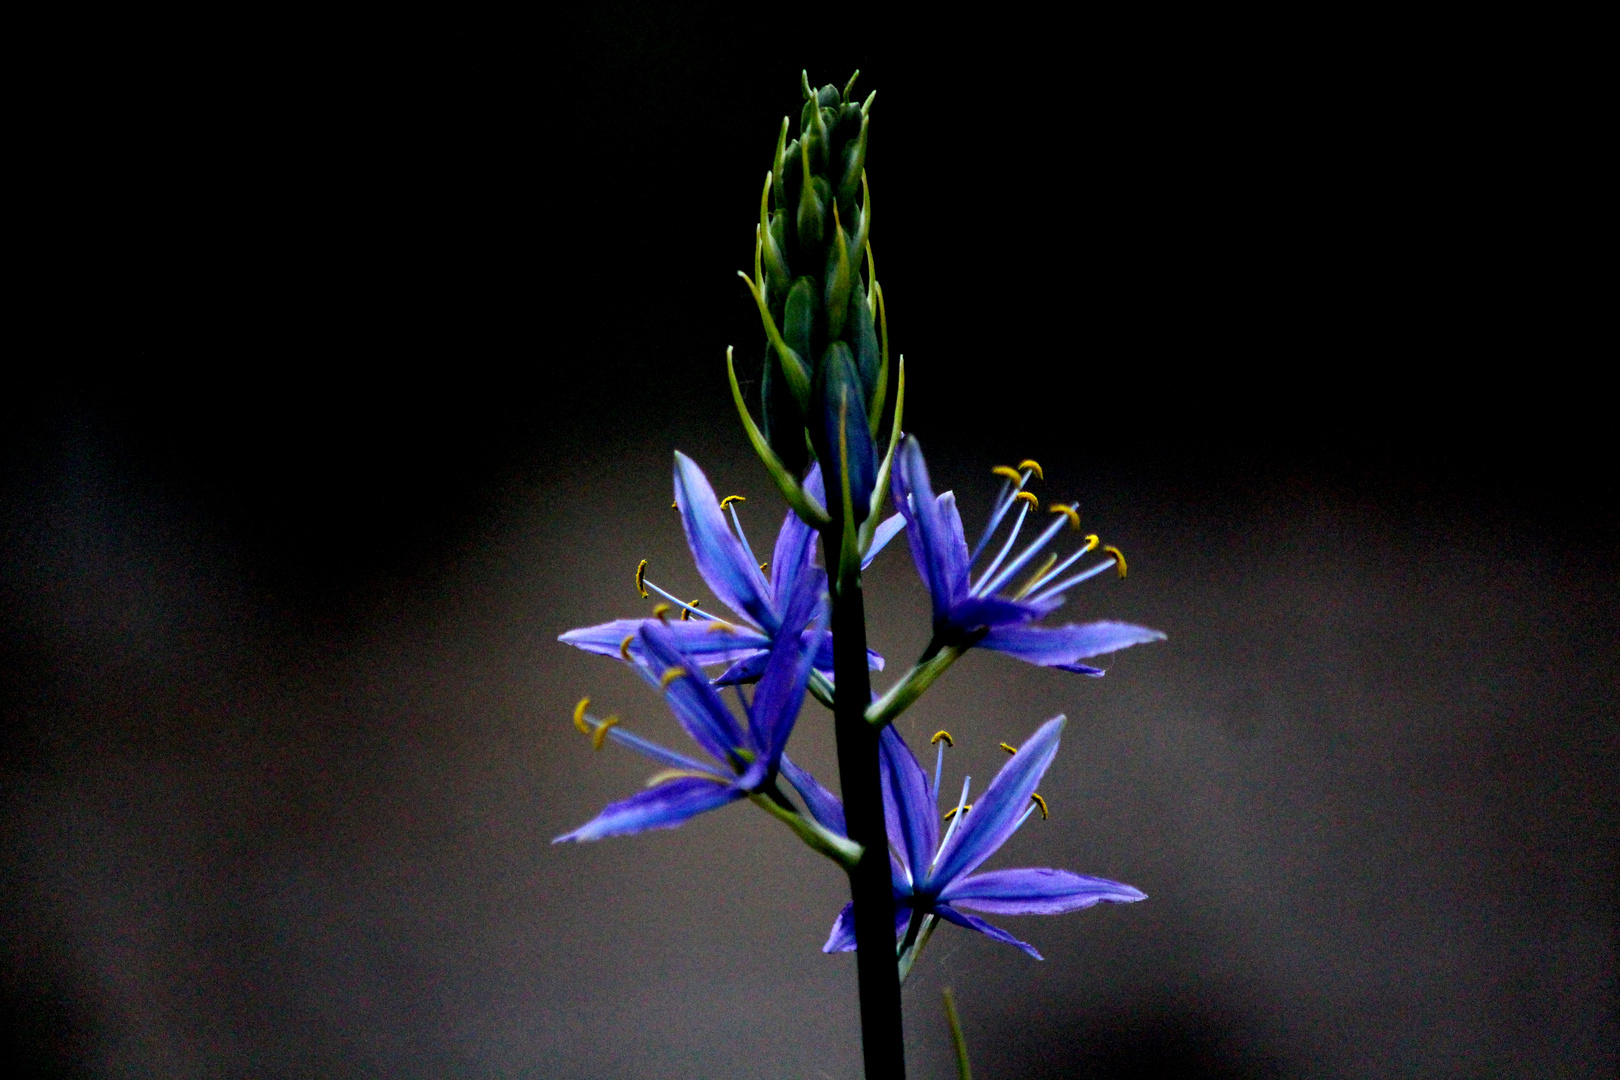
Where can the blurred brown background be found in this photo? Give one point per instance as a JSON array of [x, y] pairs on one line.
[[353, 361]]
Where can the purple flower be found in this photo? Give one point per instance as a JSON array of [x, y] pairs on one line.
[[745, 757], [737, 577], [990, 612], [934, 878]]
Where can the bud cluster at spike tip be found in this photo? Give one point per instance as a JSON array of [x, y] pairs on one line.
[[825, 370]]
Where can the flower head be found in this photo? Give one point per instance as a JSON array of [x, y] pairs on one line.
[[745, 756], [934, 876], [738, 578], [990, 612]]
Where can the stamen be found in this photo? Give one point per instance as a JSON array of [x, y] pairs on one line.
[[1041, 803], [1009, 749], [1091, 542], [601, 732], [1119, 558], [987, 585], [661, 612], [954, 817], [1029, 498], [1069, 583], [725, 504], [729, 499], [663, 776], [624, 646], [676, 601], [722, 625], [1035, 577], [641, 574], [952, 812], [1010, 473], [686, 612], [1074, 516], [1033, 466], [942, 734], [670, 676], [1012, 538], [579, 716]]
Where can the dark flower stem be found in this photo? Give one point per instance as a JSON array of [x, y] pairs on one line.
[[882, 1041]]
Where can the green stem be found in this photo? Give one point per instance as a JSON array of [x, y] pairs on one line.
[[835, 847], [964, 1071], [899, 697]]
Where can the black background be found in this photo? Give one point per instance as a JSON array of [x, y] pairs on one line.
[[315, 317]]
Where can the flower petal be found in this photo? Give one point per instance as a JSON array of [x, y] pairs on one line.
[[735, 578], [996, 813], [908, 804], [1058, 646], [1036, 891], [973, 922], [696, 704], [954, 557], [781, 686], [972, 612], [662, 807], [822, 804], [697, 638], [887, 530], [926, 532], [794, 554], [842, 938]]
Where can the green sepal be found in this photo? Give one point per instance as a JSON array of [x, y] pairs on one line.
[[849, 87], [880, 385], [861, 332], [812, 218], [774, 261], [799, 319], [840, 283], [780, 418], [779, 160], [854, 164], [880, 489], [803, 505], [798, 376]]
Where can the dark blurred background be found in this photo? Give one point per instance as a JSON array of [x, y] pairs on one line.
[[347, 360]]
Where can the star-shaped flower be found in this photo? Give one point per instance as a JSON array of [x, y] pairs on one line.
[[934, 878], [729, 566], [745, 756], [988, 612]]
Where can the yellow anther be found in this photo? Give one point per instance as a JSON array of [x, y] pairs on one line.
[[1009, 472], [624, 646], [1033, 466], [1091, 542], [579, 716], [1009, 749], [1051, 560], [686, 612], [674, 506], [952, 811], [661, 612], [601, 732], [1074, 516], [721, 625], [671, 675], [1040, 802], [763, 565], [641, 572], [1119, 558], [1029, 498], [729, 499], [942, 734]]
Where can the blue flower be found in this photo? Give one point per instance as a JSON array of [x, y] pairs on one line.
[[738, 578], [969, 612], [934, 878], [745, 756]]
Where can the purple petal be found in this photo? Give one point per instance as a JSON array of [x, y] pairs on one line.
[[696, 704], [973, 612], [1059, 646], [1036, 891], [822, 804], [908, 804], [887, 530], [781, 687], [973, 922], [746, 670], [662, 807], [795, 547], [955, 555], [926, 531], [842, 938], [996, 813], [719, 555], [696, 638]]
